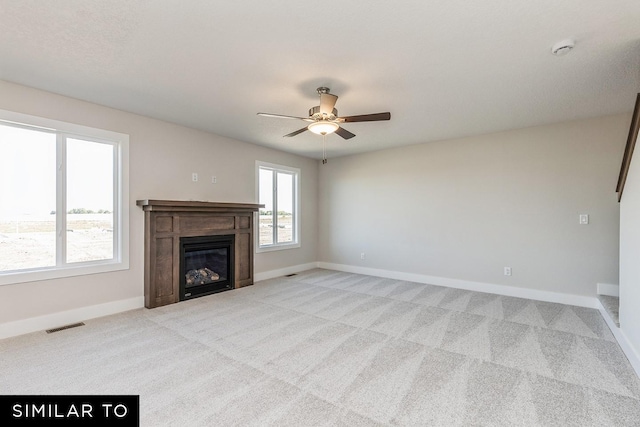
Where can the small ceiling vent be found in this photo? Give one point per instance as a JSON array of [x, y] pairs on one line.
[[563, 47]]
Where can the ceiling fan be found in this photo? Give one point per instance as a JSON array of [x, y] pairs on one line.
[[324, 117]]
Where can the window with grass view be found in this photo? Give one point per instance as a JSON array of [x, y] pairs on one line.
[[278, 220], [59, 198]]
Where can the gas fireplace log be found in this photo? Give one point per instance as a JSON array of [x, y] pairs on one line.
[[201, 276]]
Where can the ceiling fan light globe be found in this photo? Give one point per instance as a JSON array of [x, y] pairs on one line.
[[323, 128]]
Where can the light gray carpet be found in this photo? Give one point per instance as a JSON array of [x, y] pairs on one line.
[[332, 348], [612, 307]]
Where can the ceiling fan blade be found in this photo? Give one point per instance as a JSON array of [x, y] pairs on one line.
[[281, 116], [345, 133], [327, 102], [365, 118], [299, 131]]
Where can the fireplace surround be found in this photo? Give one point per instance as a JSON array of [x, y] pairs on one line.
[[170, 224]]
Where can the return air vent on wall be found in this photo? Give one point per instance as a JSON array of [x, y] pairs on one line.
[[62, 328]]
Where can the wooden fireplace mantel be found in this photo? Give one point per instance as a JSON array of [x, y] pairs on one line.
[[166, 221], [194, 206]]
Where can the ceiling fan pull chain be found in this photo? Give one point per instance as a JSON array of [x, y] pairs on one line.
[[324, 149]]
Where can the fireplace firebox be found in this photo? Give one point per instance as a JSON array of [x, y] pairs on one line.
[[206, 265]]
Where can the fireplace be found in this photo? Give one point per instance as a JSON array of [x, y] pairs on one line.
[[206, 265], [170, 223]]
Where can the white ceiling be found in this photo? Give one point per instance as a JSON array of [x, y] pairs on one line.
[[444, 69]]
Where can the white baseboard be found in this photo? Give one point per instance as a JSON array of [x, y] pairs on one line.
[[608, 289], [623, 341], [54, 320], [491, 288], [271, 274]]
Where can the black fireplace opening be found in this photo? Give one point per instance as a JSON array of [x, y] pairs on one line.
[[206, 265]]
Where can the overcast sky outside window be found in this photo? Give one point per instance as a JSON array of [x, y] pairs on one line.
[[28, 173]]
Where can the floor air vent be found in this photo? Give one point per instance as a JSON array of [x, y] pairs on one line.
[[289, 275], [62, 328]]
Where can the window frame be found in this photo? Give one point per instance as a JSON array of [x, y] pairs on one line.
[[296, 173], [120, 143]]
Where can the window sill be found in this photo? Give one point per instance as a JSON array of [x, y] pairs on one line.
[[279, 247], [16, 277]]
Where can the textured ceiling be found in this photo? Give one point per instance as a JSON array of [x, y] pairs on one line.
[[444, 69]]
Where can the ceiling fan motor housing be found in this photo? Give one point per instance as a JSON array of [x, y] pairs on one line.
[[315, 114]]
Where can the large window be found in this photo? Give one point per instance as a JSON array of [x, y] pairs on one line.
[[278, 224], [62, 188]]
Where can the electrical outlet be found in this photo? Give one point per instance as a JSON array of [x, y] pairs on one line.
[[584, 219], [214, 180], [194, 177], [362, 256], [507, 271]]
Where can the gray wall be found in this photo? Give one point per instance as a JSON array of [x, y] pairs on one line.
[[630, 256], [466, 208], [162, 158]]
